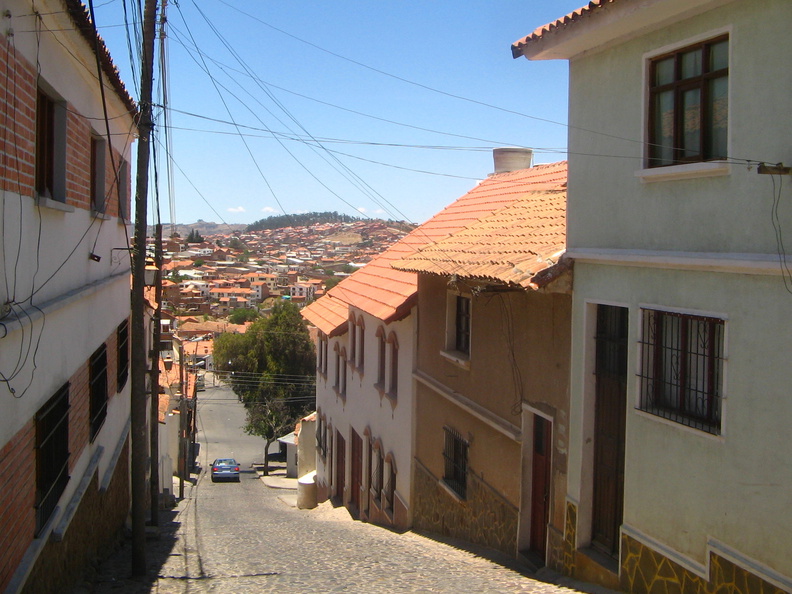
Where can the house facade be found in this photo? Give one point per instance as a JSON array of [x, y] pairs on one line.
[[678, 474], [64, 351], [492, 371]]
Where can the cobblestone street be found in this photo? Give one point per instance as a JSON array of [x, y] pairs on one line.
[[248, 537]]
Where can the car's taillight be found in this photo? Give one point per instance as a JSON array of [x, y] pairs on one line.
[[215, 469], [237, 468]]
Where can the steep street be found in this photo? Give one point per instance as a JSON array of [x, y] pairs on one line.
[[244, 537]]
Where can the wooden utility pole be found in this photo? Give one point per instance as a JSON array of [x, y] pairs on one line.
[[139, 351], [155, 351]]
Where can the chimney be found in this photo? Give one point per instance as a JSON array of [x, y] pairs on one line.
[[511, 158]]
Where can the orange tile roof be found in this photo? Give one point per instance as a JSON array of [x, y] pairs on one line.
[[513, 245], [559, 24], [387, 293]]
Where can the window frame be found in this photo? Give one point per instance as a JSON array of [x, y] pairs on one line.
[[98, 392], [50, 137], [459, 326], [97, 174], [381, 358], [682, 377], [361, 345], [52, 455], [455, 458], [393, 366], [122, 355], [677, 87]]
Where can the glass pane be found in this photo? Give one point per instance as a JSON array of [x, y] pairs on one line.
[[719, 55], [691, 122], [664, 72], [691, 64], [662, 150], [718, 117]]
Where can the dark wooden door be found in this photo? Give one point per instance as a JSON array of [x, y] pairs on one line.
[[540, 485], [340, 469], [356, 471], [609, 428]]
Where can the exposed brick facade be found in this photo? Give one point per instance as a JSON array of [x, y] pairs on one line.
[[93, 530], [18, 140], [17, 498]]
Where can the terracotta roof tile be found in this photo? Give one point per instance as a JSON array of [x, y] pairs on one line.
[[387, 293], [510, 246], [561, 23]]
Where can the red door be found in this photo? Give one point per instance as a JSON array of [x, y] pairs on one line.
[[356, 474], [540, 485], [340, 469], [609, 428]]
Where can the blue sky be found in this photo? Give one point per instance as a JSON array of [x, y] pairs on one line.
[[367, 108]]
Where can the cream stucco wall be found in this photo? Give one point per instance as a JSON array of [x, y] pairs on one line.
[[700, 245], [609, 207]]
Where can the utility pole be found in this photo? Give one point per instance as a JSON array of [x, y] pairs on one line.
[[139, 352], [155, 351]]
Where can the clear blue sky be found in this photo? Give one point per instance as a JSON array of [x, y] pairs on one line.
[[325, 118]]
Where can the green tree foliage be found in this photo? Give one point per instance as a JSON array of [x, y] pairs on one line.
[[271, 369], [332, 282], [194, 237], [242, 315]]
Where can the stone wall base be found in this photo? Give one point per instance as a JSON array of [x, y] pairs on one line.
[[644, 570], [482, 518]]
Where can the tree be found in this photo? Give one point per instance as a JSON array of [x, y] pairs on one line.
[[199, 262], [242, 315], [332, 282], [271, 368], [194, 237]]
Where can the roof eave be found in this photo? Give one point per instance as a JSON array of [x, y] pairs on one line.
[[603, 24]]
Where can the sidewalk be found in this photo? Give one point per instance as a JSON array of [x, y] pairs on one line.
[[276, 479]]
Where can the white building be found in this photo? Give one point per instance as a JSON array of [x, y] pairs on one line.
[[64, 354], [678, 460]]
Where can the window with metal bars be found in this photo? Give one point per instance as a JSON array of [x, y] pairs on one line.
[[52, 455], [97, 371], [389, 489], [455, 454], [462, 325], [122, 341], [682, 368]]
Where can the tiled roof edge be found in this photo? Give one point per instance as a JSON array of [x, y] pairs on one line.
[[82, 21], [565, 21]]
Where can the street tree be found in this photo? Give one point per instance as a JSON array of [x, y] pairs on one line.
[[272, 369]]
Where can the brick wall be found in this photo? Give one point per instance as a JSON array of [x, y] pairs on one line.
[[17, 498], [95, 528], [17, 121], [18, 139]]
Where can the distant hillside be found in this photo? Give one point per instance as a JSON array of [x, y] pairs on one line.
[[316, 218], [299, 220], [202, 227]]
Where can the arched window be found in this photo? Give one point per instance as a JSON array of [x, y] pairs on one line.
[[393, 375], [381, 355]]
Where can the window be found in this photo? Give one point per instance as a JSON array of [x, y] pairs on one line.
[[52, 455], [97, 370], [682, 368], [377, 472], [393, 379], [122, 341], [689, 104], [321, 354], [458, 324], [381, 353], [50, 148], [455, 454], [122, 183], [389, 488], [337, 375], [352, 339], [321, 436], [361, 343], [98, 174], [342, 381]]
